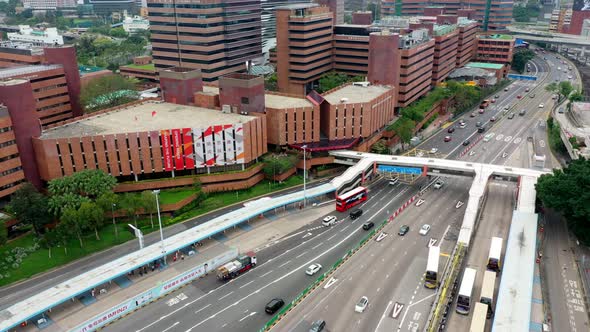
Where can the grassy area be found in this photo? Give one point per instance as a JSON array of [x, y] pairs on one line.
[[38, 260], [174, 195], [149, 66]]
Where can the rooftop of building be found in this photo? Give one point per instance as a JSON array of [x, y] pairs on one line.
[[281, 102], [297, 6], [443, 29], [463, 21], [355, 94], [7, 45], [484, 65], [23, 70], [149, 66], [497, 36], [146, 116]]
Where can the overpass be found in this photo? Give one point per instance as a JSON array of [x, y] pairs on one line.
[[549, 37], [364, 166]]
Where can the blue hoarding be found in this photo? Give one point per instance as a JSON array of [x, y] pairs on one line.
[[522, 77]]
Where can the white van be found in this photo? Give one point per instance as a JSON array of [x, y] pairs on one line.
[[488, 137]]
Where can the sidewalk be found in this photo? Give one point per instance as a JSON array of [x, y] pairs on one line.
[[268, 230]]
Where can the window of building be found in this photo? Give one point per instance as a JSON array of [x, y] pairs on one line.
[[245, 100]]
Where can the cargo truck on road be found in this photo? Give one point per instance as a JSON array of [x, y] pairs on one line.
[[236, 267]]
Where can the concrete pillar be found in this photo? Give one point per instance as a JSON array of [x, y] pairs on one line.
[[583, 51], [559, 47]]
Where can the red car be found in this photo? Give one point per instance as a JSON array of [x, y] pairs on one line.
[[519, 96], [492, 119], [526, 90], [481, 110], [493, 101], [447, 138]]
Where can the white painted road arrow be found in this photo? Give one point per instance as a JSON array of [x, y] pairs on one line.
[[381, 236], [306, 235], [330, 282], [459, 204], [420, 202], [431, 242], [397, 309]]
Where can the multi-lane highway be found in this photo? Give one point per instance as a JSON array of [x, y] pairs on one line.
[[389, 272], [210, 305]]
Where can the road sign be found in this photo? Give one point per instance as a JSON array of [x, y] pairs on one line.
[[398, 169], [397, 309], [522, 77]]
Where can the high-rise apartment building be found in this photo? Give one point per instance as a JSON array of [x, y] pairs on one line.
[[495, 49], [217, 37], [304, 46], [467, 41], [269, 21], [417, 55], [492, 15]]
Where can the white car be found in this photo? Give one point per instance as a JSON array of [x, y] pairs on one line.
[[438, 184], [541, 105], [433, 150], [329, 220], [462, 125], [361, 305], [312, 269], [424, 230]]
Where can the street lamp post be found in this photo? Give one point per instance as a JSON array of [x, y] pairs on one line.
[[304, 176], [156, 192], [114, 224]]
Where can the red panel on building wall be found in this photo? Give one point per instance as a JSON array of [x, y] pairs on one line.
[[165, 135], [178, 155], [187, 139]]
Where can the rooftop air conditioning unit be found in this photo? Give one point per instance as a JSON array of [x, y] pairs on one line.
[[363, 84], [344, 100], [226, 109]]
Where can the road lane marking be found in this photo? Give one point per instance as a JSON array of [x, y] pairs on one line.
[[383, 316], [303, 253], [325, 252], [226, 295], [173, 325], [244, 285], [331, 237], [267, 273], [285, 263], [203, 308], [251, 314], [342, 230], [318, 245]]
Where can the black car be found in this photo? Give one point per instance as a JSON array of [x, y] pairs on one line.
[[466, 142], [274, 305], [451, 130], [481, 129], [368, 225], [355, 213], [317, 326], [403, 230]]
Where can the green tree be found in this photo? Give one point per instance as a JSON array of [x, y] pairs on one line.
[[568, 192], [520, 14], [49, 240], [73, 190], [380, 147], [131, 204], [107, 202], [30, 207], [277, 164], [270, 82], [565, 88], [73, 225], [118, 33], [520, 59], [375, 9], [93, 216], [148, 203], [103, 91], [347, 18], [404, 128], [3, 234], [333, 80]]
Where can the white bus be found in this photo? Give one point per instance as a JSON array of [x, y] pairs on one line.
[[494, 261], [431, 279], [478, 321], [487, 291], [465, 292]]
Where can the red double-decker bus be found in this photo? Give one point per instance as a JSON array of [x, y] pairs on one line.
[[351, 198]]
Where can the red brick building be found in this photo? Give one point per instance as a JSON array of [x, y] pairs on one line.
[[446, 38], [142, 68], [467, 42], [19, 54], [11, 170], [495, 49]]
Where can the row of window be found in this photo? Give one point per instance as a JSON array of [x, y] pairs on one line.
[[7, 143], [12, 156], [5, 129], [359, 116], [10, 185], [10, 171]]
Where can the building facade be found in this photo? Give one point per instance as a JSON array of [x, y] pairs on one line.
[[304, 46], [467, 41], [269, 21], [218, 37], [12, 174], [495, 49], [39, 37], [19, 54], [417, 58]]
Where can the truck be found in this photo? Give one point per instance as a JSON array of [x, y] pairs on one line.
[[484, 103], [236, 267]]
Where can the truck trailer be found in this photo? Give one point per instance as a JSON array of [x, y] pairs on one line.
[[236, 267]]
